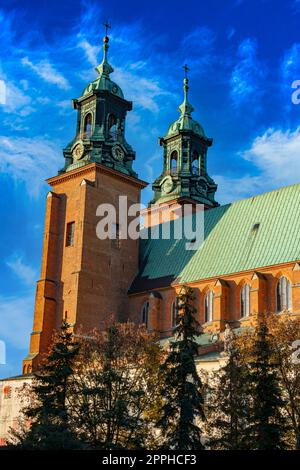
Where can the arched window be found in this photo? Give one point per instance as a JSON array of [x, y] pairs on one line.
[[284, 294], [7, 391], [174, 162], [174, 312], [87, 128], [145, 313], [112, 127], [209, 306], [195, 163], [245, 301]]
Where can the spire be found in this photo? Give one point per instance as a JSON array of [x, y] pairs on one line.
[[185, 122], [105, 69], [185, 108]]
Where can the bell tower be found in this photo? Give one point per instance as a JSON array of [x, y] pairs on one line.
[[100, 132], [184, 177], [83, 278]]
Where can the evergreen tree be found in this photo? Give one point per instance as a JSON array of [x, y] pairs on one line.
[[228, 404], [182, 409], [48, 414], [267, 423]]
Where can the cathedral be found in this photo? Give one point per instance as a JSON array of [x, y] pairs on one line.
[[247, 263]]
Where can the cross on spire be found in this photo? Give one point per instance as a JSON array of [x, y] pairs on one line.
[[107, 26], [186, 69]]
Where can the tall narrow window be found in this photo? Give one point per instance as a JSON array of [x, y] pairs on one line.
[[245, 301], [112, 127], [87, 130], [209, 306], [145, 313], [284, 294], [195, 163], [70, 234], [174, 312], [174, 162]]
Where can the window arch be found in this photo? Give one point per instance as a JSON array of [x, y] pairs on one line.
[[174, 162], [145, 313], [87, 128], [112, 127], [195, 163], [174, 312], [7, 391], [245, 301], [284, 294], [209, 306]]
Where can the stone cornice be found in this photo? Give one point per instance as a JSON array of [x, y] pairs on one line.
[[264, 270], [84, 170]]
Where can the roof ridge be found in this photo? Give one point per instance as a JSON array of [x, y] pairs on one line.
[[257, 195]]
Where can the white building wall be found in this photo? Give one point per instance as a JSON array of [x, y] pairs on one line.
[[11, 402]]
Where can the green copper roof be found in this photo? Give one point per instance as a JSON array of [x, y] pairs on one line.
[[245, 235], [103, 81], [185, 121]]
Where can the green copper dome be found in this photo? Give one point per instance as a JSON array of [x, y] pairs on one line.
[[103, 84], [185, 122], [103, 81]]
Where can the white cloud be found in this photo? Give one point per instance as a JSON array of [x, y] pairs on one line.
[[230, 33], [16, 100], [16, 319], [143, 91], [290, 67], [91, 52], [277, 153], [248, 74], [232, 189], [275, 157], [200, 39], [29, 160], [23, 271], [47, 72]]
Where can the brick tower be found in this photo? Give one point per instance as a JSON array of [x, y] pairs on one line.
[[83, 278]]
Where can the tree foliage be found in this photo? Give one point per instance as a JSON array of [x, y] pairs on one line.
[[48, 412], [114, 388], [182, 410], [228, 403]]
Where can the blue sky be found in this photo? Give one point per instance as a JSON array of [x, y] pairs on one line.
[[243, 57]]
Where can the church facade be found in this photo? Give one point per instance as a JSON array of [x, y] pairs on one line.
[[246, 264]]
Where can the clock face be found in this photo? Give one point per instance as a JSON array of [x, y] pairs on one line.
[[118, 153], [167, 185], [78, 151]]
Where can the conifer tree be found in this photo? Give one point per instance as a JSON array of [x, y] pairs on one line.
[[182, 409], [228, 404], [48, 414], [267, 423]]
